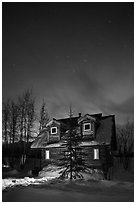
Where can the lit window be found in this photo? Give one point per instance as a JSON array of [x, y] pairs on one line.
[[87, 126], [47, 154], [96, 153], [53, 130]]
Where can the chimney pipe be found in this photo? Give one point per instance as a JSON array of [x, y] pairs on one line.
[[79, 114]]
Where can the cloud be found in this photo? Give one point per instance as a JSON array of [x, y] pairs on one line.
[[88, 94]]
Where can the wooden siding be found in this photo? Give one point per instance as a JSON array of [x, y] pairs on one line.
[[89, 158], [88, 155], [55, 154]]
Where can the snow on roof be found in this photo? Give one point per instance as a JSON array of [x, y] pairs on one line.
[[40, 141], [54, 145], [86, 116], [91, 143], [53, 121]]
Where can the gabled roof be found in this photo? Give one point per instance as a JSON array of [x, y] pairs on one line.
[[75, 119], [52, 121], [67, 121], [105, 133], [86, 116]]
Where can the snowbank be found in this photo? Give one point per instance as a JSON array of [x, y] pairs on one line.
[[10, 182], [5, 166], [50, 171]]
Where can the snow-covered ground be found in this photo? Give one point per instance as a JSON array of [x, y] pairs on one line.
[[81, 191], [10, 182], [47, 187], [49, 173], [45, 175]]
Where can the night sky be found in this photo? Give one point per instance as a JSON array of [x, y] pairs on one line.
[[78, 53]]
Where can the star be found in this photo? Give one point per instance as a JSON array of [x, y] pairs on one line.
[[85, 60], [109, 21]]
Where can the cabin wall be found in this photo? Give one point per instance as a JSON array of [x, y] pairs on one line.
[[54, 154], [88, 156]]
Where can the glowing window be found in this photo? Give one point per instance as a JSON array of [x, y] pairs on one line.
[[96, 153], [53, 130], [47, 154], [87, 126]]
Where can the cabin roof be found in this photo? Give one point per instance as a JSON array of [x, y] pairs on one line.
[[87, 116], [75, 119], [53, 121], [105, 133], [40, 141]]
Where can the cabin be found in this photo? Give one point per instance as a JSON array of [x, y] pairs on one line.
[[98, 135]]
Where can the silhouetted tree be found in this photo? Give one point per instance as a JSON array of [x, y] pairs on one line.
[[21, 118], [31, 119], [13, 127], [72, 159], [13, 121], [6, 120], [26, 119], [125, 136], [44, 117]]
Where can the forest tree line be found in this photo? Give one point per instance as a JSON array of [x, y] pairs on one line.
[[18, 121]]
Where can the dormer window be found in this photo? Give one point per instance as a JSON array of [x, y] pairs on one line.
[[87, 126], [53, 130]]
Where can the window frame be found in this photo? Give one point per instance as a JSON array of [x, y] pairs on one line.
[[53, 133], [90, 129]]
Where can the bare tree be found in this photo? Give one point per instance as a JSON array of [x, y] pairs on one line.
[[21, 118], [125, 136], [26, 120], [13, 121], [26, 115], [5, 120], [30, 120], [44, 116]]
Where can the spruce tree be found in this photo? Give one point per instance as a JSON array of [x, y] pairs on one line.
[[44, 117], [72, 160]]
